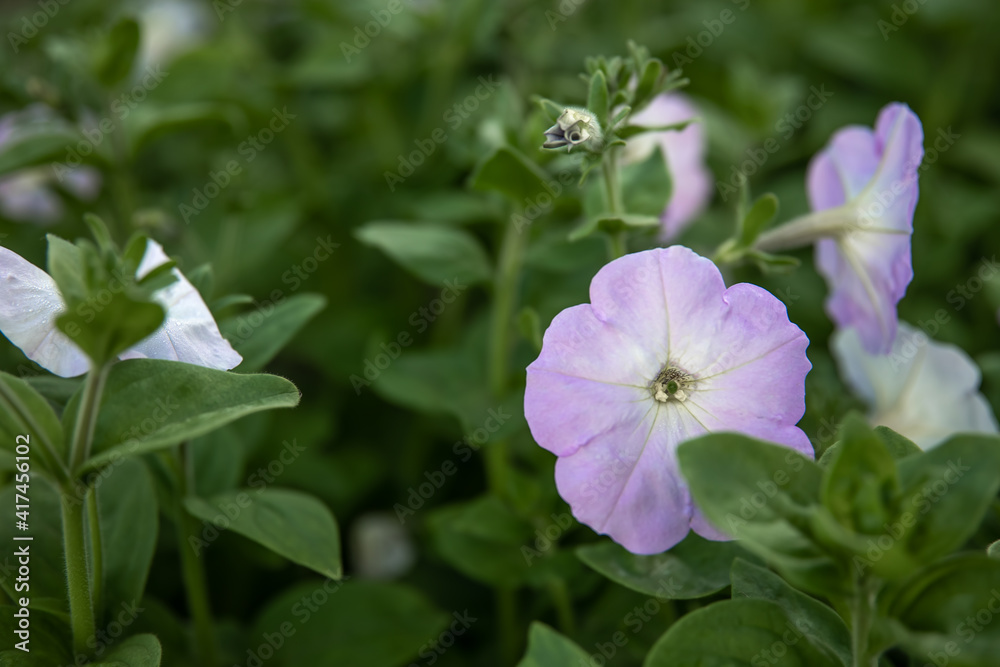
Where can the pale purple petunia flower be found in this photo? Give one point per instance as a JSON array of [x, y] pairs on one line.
[[663, 353], [684, 152], [870, 177], [30, 303], [924, 390]]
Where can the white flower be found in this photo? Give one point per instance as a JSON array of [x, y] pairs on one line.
[[30, 303], [924, 390]]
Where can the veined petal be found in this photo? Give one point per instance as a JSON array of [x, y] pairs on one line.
[[189, 332], [627, 483], [29, 305], [875, 174]]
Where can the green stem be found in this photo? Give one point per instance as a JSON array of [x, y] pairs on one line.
[[609, 165], [86, 416], [81, 610], [862, 615], [193, 568], [617, 246], [96, 553], [564, 606], [808, 229]]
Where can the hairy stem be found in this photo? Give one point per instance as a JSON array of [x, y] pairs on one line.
[[81, 610]]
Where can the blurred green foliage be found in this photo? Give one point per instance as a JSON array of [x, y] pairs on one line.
[[300, 119]]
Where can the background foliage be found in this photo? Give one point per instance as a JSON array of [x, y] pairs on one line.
[[356, 114]]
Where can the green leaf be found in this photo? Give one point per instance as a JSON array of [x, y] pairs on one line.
[[510, 172], [694, 568], [66, 265], [152, 404], [646, 186], [436, 254], [947, 490], [105, 332], [548, 648], [861, 481], [769, 263], [630, 131], [649, 81], [765, 495], [950, 609], [290, 523], [117, 53], [25, 412], [597, 97], [530, 326], [483, 540], [37, 148], [148, 122], [48, 567], [614, 223], [738, 632], [368, 623], [126, 501], [757, 218], [827, 631], [898, 446], [49, 637], [259, 345], [137, 651], [551, 109]]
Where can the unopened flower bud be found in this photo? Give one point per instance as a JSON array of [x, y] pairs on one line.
[[575, 127]]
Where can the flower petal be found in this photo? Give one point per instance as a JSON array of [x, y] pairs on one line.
[[29, 305], [684, 152], [627, 484], [189, 333], [764, 364], [924, 390], [869, 269]]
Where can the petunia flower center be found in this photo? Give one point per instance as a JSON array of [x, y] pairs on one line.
[[671, 382]]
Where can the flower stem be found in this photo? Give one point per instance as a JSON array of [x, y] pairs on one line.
[[862, 615], [81, 610], [96, 553], [192, 567], [609, 165], [807, 229], [86, 416]]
